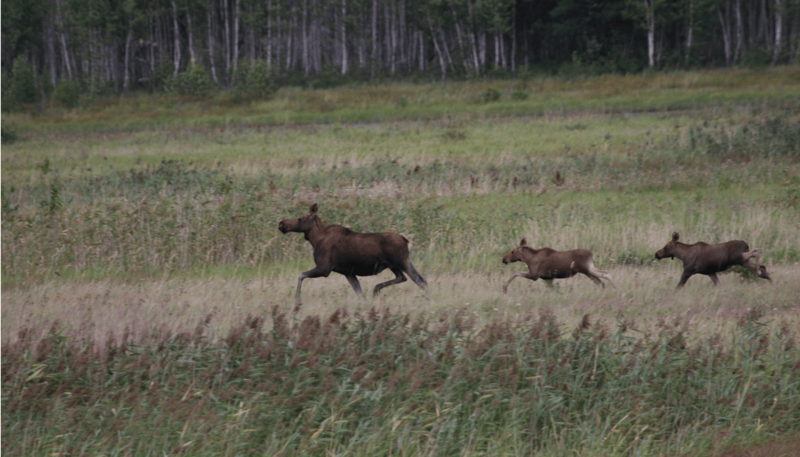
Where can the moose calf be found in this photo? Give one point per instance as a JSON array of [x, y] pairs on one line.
[[549, 264], [352, 254], [709, 259]]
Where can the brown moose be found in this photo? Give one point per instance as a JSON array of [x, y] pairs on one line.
[[549, 264], [352, 254], [709, 259]]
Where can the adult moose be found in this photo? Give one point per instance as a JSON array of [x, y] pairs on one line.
[[709, 259], [352, 254], [549, 264]]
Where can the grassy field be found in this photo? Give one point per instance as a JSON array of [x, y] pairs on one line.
[[146, 289]]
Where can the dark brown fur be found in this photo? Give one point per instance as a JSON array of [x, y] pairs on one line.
[[709, 259], [352, 254], [549, 264]]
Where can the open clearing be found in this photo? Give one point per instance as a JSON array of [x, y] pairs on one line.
[[146, 287]]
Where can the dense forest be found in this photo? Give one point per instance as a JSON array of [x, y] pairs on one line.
[[123, 45]]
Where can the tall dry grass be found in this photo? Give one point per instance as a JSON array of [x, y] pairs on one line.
[[108, 309]]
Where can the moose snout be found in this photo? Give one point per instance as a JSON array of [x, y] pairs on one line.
[[282, 227]]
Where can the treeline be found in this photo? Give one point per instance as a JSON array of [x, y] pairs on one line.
[[123, 45]]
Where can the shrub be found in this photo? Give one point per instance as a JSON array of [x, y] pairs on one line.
[[757, 58], [491, 95], [21, 87], [254, 81], [519, 95], [328, 78], [163, 75], [9, 133], [68, 93], [193, 82]]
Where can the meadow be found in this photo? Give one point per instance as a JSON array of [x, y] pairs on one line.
[[146, 289]]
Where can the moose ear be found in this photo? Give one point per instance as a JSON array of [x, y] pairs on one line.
[[675, 236], [314, 208], [523, 242]]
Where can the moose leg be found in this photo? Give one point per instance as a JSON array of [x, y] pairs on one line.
[[684, 277], [596, 274], [596, 280], [761, 272], [754, 254], [399, 277], [313, 273], [354, 283], [714, 278], [604, 275], [549, 283], [415, 276], [524, 274]]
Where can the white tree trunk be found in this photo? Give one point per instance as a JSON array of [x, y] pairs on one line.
[[737, 56], [344, 37], [269, 33], [651, 32], [482, 48], [63, 39], [235, 37], [473, 40], [252, 37], [374, 35], [177, 50], [778, 31], [442, 64], [387, 36], [227, 42], [304, 30], [496, 51], [514, 41], [211, 46], [502, 52], [290, 40], [726, 34], [421, 51], [689, 30], [192, 58], [126, 84]]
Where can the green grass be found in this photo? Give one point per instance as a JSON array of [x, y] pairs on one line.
[[127, 223], [734, 178], [370, 103]]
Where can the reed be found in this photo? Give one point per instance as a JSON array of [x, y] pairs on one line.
[[378, 382]]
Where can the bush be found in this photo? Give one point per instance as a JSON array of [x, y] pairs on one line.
[[194, 82], [68, 93], [254, 81], [21, 89], [519, 95], [328, 78], [757, 58], [163, 75], [8, 133], [491, 95], [97, 87]]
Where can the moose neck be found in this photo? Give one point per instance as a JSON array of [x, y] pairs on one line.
[[527, 254], [680, 250], [314, 234]]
